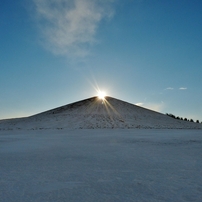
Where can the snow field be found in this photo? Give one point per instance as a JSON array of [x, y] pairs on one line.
[[101, 165]]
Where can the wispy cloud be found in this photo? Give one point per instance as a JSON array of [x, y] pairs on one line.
[[183, 88], [169, 88], [153, 106], [139, 104], [69, 26]]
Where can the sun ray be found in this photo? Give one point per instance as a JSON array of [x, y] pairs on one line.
[[113, 109]]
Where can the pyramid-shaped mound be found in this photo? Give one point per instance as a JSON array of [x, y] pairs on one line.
[[96, 113]]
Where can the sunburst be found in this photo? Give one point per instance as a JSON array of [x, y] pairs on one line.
[[101, 95]]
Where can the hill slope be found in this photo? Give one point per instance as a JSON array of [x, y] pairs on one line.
[[97, 113]]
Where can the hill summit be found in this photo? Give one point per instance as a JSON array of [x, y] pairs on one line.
[[94, 113]]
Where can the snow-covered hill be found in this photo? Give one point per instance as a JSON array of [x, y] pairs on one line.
[[97, 113]]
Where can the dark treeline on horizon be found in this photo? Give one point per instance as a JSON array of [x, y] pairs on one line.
[[183, 119]]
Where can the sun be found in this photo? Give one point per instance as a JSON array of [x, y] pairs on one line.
[[101, 95]]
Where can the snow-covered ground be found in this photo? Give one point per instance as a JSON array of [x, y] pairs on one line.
[[101, 165]]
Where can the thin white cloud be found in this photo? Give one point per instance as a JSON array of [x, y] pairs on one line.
[[139, 104], [69, 26], [153, 106], [169, 88], [182, 88]]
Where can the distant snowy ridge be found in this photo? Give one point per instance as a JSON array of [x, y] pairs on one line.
[[95, 113]]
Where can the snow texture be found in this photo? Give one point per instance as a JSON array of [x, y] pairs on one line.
[[94, 113], [100, 165]]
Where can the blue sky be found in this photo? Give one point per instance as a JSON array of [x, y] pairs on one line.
[[55, 52]]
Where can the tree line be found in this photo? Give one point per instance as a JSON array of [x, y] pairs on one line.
[[180, 118]]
